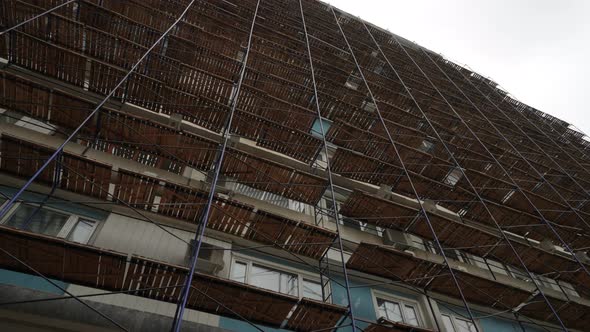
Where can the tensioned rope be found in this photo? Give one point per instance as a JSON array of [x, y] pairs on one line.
[[398, 155], [329, 170], [200, 232]]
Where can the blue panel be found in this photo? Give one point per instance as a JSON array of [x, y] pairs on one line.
[[489, 324], [362, 302], [29, 281], [499, 324], [241, 326], [316, 130], [362, 299], [494, 324]]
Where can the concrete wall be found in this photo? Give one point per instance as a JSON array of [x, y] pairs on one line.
[[131, 235]]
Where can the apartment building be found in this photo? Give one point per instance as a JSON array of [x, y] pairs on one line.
[[308, 170]]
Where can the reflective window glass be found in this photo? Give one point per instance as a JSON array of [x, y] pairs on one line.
[[312, 290], [390, 310], [273, 280], [37, 220], [238, 272], [448, 323], [82, 231], [411, 317]]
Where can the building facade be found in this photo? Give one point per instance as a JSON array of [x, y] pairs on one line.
[[317, 172]]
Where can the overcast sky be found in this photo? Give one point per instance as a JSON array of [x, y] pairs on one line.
[[538, 50]]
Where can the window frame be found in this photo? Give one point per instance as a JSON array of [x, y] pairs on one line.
[[350, 222], [68, 227], [454, 324], [427, 146], [454, 175], [301, 274], [402, 302], [326, 124]]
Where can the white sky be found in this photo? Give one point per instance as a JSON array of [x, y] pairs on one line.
[[538, 50]]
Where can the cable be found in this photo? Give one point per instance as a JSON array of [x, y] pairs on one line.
[[455, 281], [205, 217], [64, 290], [461, 169], [36, 17], [330, 180]]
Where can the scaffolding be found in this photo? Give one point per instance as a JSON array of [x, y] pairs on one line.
[[301, 101]]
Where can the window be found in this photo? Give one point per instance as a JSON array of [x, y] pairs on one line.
[[421, 124], [316, 130], [272, 198], [240, 56], [371, 229], [455, 324], [390, 310], [19, 119], [238, 272], [478, 261], [312, 289], [426, 146], [547, 282], [463, 212], [274, 279], [537, 186], [379, 68], [398, 311], [353, 82], [453, 254], [37, 220], [448, 323], [82, 231], [453, 176], [449, 253], [496, 267], [568, 288], [349, 222], [50, 222], [411, 316], [518, 274], [507, 196], [368, 105]]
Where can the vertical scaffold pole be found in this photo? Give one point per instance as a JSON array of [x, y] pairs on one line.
[[200, 232], [329, 171]]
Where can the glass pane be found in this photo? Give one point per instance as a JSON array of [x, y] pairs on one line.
[[381, 309], [411, 317], [426, 146], [453, 176], [497, 267], [312, 290], [82, 231], [316, 130], [265, 278], [447, 323], [289, 284], [238, 272], [37, 220], [390, 310]]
